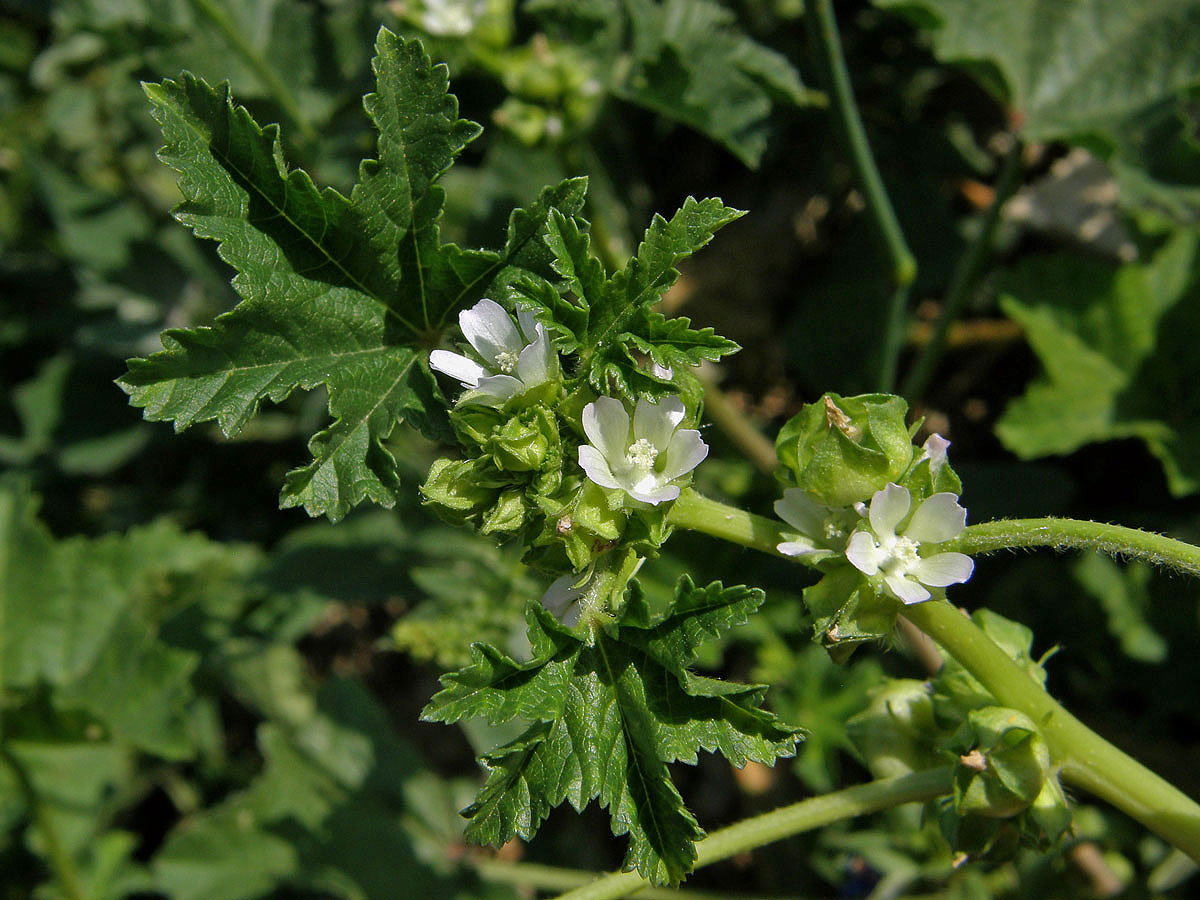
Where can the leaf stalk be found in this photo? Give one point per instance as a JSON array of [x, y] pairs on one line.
[[822, 27]]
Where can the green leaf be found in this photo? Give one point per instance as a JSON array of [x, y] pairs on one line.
[[687, 60], [608, 716], [1123, 594], [336, 292], [605, 319], [1114, 345], [1069, 69]]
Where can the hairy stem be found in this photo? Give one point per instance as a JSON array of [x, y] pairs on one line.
[[806, 815], [553, 878], [966, 273], [698, 513], [1087, 760], [1074, 534], [822, 28], [60, 860]]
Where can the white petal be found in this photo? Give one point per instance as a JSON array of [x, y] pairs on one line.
[[500, 387], [465, 370], [528, 324], [656, 422], [606, 423], [937, 519], [801, 512], [863, 554], [800, 548], [888, 509], [943, 569], [533, 365], [908, 591], [934, 449], [596, 467], [653, 495], [490, 330], [686, 451], [562, 599]]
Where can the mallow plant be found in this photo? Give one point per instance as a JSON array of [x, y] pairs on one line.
[[569, 410]]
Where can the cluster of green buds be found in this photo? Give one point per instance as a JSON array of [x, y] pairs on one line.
[[1007, 792], [582, 480], [869, 509]]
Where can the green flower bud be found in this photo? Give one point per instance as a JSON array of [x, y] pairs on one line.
[[1003, 763], [523, 442], [848, 612], [843, 449], [460, 491], [896, 733], [507, 516]]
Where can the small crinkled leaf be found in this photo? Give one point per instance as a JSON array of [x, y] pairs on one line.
[[609, 716], [1116, 353], [1070, 69], [336, 292], [607, 320]]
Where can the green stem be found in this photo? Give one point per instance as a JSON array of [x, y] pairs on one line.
[[965, 275], [252, 58], [728, 523], [60, 860], [552, 878], [1087, 760], [1074, 534], [823, 30], [806, 815]]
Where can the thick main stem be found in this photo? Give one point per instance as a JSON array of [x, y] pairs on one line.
[[828, 48], [806, 815], [1088, 761]]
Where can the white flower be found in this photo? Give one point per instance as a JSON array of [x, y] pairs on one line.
[[562, 598], [641, 458], [516, 357], [450, 18], [823, 529], [880, 549]]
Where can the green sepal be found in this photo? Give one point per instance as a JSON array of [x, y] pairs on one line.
[[583, 519], [957, 691], [847, 611], [844, 449], [507, 516], [897, 734], [922, 481], [461, 491], [525, 442]]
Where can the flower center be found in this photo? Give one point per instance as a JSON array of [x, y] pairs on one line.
[[506, 361], [904, 554], [641, 455]]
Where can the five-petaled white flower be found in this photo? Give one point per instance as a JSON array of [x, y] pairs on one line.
[[516, 356], [823, 529], [641, 457], [881, 550]]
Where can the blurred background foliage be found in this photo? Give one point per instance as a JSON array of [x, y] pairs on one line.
[[204, 697]]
